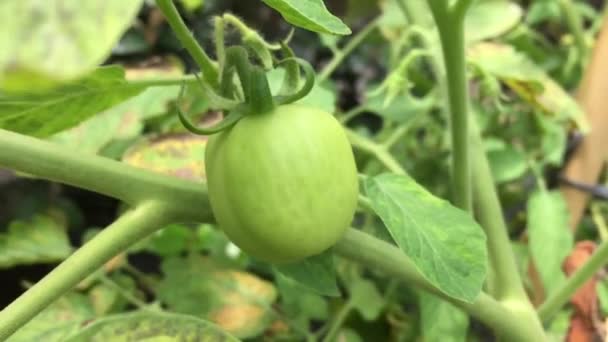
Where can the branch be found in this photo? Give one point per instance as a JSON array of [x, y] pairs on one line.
[[128, 229], [102, 175], [377, 254], [182, 32]]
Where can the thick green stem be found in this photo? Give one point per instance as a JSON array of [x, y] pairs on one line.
[[350, 46], [208, 67], [451, 33], [489, 213], [128, 229], [377, 254], [563, 294], [102, 175]]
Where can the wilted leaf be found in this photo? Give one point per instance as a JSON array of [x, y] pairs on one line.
[[41, 44], [178, 155], [528, 80], [447, 246], [237, 301]]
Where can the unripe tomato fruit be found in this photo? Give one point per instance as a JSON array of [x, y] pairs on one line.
[[282, 185]]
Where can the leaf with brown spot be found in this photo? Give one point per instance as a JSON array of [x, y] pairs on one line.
[[237, 301], [178, 155]]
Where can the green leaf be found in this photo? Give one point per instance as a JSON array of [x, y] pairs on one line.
[[61, 319], [58, 41], [366, 299], [124, 121], [39, 240], [151, 326], [550, 240], [237, 301], [171, 240], [44, 114], [490, 19], [507, 164], [299, 304], [442, 321], [447, 246], [311, 15], [316, 273]]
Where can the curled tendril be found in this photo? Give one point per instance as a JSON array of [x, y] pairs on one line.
[[309, 82], [232, 118]]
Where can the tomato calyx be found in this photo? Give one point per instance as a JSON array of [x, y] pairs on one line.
[[252, 95]]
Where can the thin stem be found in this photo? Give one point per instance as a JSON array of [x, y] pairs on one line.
[[573, 283], [451, 33], [338, 321], [352, 45], [128, 229], [377, 254], [207, 65], [377, 150], [163, 81], [573, 19], [102, 175], [395, 136], [346, 117], [489, 213], [122, 292]]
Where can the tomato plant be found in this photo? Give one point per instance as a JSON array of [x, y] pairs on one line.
[[264, 176]]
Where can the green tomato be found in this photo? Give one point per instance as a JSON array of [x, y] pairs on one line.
[[282, 185]]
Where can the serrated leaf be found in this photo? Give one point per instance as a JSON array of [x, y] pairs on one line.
[[316, 273], [366, 299], [237, 301], [124, 121], [310, 14], [550, 240], [61, 319], [41, 44], [46, 113], [442, 321], [447, 246], [152, 326], [39, 240]]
